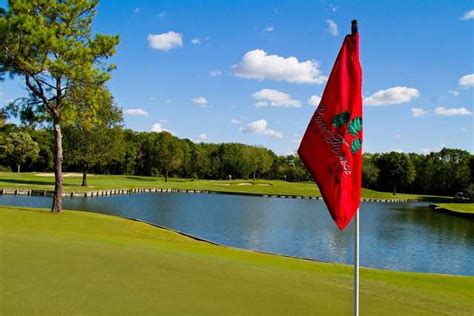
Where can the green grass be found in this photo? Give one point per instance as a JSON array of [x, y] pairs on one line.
[[102, 182], [92, 264], [465, 208]]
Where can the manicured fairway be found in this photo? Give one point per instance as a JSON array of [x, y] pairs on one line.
[[85, 263], [464, 208], [104, 182]]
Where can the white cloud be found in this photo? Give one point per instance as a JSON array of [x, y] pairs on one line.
[[257, 64], [162, 14], [136, 112], [451, 111], [137, 10], [200, 101], [270, 97], [158, 127], [314, 100], [332, 28], [202, 137], [260, 127], [236, 121], [291, 152], [215, 73], [468, 15], [333, 7], [165, 41], [417, 112], [453, 93], [395, 95], [467, 81], [397, 136], [269, 29], [196, 41], [426, 151], [398, 150]]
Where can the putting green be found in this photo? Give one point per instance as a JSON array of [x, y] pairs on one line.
[[85, 263]]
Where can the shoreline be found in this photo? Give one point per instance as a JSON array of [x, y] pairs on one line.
[[217, 244], [99, 193], [200, 239], [437, 207]]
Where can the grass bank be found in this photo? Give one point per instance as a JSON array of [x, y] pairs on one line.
[[72, 183], [459, 208], [86, 263]]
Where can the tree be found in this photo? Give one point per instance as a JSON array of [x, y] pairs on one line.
[[261, 160], [234, 161], [370, 172], [452, 170], [201, 161], [2, 119], [2, 124], [169, 153], [20, 147], [130, 148], [396, 169], [48, 43], [45, 141], [92, 128]]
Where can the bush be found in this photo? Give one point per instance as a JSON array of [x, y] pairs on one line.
[[5, 169]]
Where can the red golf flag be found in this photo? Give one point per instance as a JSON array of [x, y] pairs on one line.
[[331, 148]]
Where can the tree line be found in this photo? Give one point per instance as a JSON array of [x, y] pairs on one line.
[[105, 147]]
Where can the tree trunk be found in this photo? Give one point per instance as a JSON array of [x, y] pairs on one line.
[[166, 175], [18, 168], [254, 175], [394, 189], [58, 173], [84, 175]]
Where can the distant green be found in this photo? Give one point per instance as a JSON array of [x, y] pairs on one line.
[[92, 264], [467, 208], [41, 181]]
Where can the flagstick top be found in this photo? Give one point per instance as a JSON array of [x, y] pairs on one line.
[[354, 27], [354, 31]]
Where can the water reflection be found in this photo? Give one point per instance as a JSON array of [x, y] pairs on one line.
[[398, 236]]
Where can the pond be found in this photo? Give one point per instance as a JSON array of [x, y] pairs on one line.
[[397, 236]]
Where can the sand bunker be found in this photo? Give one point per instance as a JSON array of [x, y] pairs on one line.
[[65, 175]]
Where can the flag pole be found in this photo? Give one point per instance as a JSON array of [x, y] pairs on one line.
[[356, 265], [354, 30]]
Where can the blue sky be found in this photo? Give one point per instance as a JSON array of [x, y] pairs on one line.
[[243, 71]]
